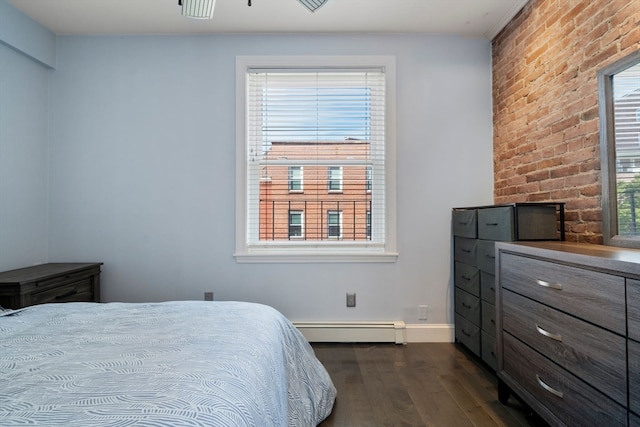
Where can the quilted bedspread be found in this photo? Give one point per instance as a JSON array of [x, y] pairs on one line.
[[170, 364]]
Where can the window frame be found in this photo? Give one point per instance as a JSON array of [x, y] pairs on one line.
[[334, 174], [333, 250], [331, 213], [301, 225], [608, 159], [293, 179]]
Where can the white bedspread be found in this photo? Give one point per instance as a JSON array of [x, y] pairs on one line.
[[159, 364]]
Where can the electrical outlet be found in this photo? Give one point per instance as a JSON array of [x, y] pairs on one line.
[[351, 299], [422, 312], [208, 296]]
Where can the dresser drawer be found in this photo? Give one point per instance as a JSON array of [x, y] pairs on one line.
[[464, 250], [489, 350], [467, 277], [81, 290], [591, 353], [489, 318], [634, 376], [571, 401], [633, 308], [486, 256], [468, 306], [465, 223], [468, 334], [596, 297], [496, 223], [488, 287]]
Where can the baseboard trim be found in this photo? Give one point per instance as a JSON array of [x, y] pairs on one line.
[[430, 332], [393, 331]]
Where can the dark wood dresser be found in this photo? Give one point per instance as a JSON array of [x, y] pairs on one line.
[[52, 282], [568, 331], [475, 232]]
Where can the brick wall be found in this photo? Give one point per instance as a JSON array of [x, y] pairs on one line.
[[545, 95]]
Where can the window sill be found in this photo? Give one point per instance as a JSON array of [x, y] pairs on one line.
[[308, 257]]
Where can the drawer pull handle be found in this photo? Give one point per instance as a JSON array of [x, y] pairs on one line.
[[465, 305], [466, 278], [548, 334], [492, 223], [490, 256], [549, 388], [468, 251], [465, 332], [557, 286], [67, 294], [463, 223]]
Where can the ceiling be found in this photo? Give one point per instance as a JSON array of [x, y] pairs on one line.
[[484, 18]]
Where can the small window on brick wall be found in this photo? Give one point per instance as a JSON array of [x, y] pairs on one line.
[[619, 101]]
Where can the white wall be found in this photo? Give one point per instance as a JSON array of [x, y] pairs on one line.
[[24, 91], [142, 170]]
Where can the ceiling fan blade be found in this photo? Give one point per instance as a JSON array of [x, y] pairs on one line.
[[312, 5]]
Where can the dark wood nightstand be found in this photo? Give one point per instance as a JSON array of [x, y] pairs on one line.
[[52, 282]]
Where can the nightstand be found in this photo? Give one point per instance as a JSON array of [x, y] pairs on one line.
[[52, 282]]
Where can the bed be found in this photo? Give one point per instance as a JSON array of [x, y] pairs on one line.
[[186, 363]]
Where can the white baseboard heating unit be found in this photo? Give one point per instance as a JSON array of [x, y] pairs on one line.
[[393, 331]]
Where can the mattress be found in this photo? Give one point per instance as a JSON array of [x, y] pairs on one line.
[[187, 363]]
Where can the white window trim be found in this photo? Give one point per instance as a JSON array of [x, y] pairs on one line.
[[301, 189], [301, 236], [335, 251], [334, 212], [331, 177]]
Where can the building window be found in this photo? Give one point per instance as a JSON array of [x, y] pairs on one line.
[[335, 179], [334, 119], [295, 224], [295, 179], [334, 224]]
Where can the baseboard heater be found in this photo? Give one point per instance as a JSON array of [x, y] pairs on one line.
[[393, 331]]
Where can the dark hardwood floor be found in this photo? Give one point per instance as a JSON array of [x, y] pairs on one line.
[[418, 384]]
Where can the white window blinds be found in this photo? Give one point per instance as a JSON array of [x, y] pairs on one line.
[[626, 101], [330, 124]]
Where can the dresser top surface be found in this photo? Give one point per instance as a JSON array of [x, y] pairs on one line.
[[622, 261], [43, 271]]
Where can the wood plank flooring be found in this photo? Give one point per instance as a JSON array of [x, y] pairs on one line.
[[418, 384]]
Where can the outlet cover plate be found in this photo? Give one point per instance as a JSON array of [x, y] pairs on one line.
[[351, 299]]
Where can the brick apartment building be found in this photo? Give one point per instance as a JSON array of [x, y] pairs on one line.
[[316, 191]]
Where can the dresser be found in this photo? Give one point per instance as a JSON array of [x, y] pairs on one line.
[[52, 282], [568, 331], [475, 231]]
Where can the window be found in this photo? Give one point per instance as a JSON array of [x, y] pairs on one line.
[[295, 224], [295, 179], [334, 224], [335, 178], [619, 102], [332, 118]]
